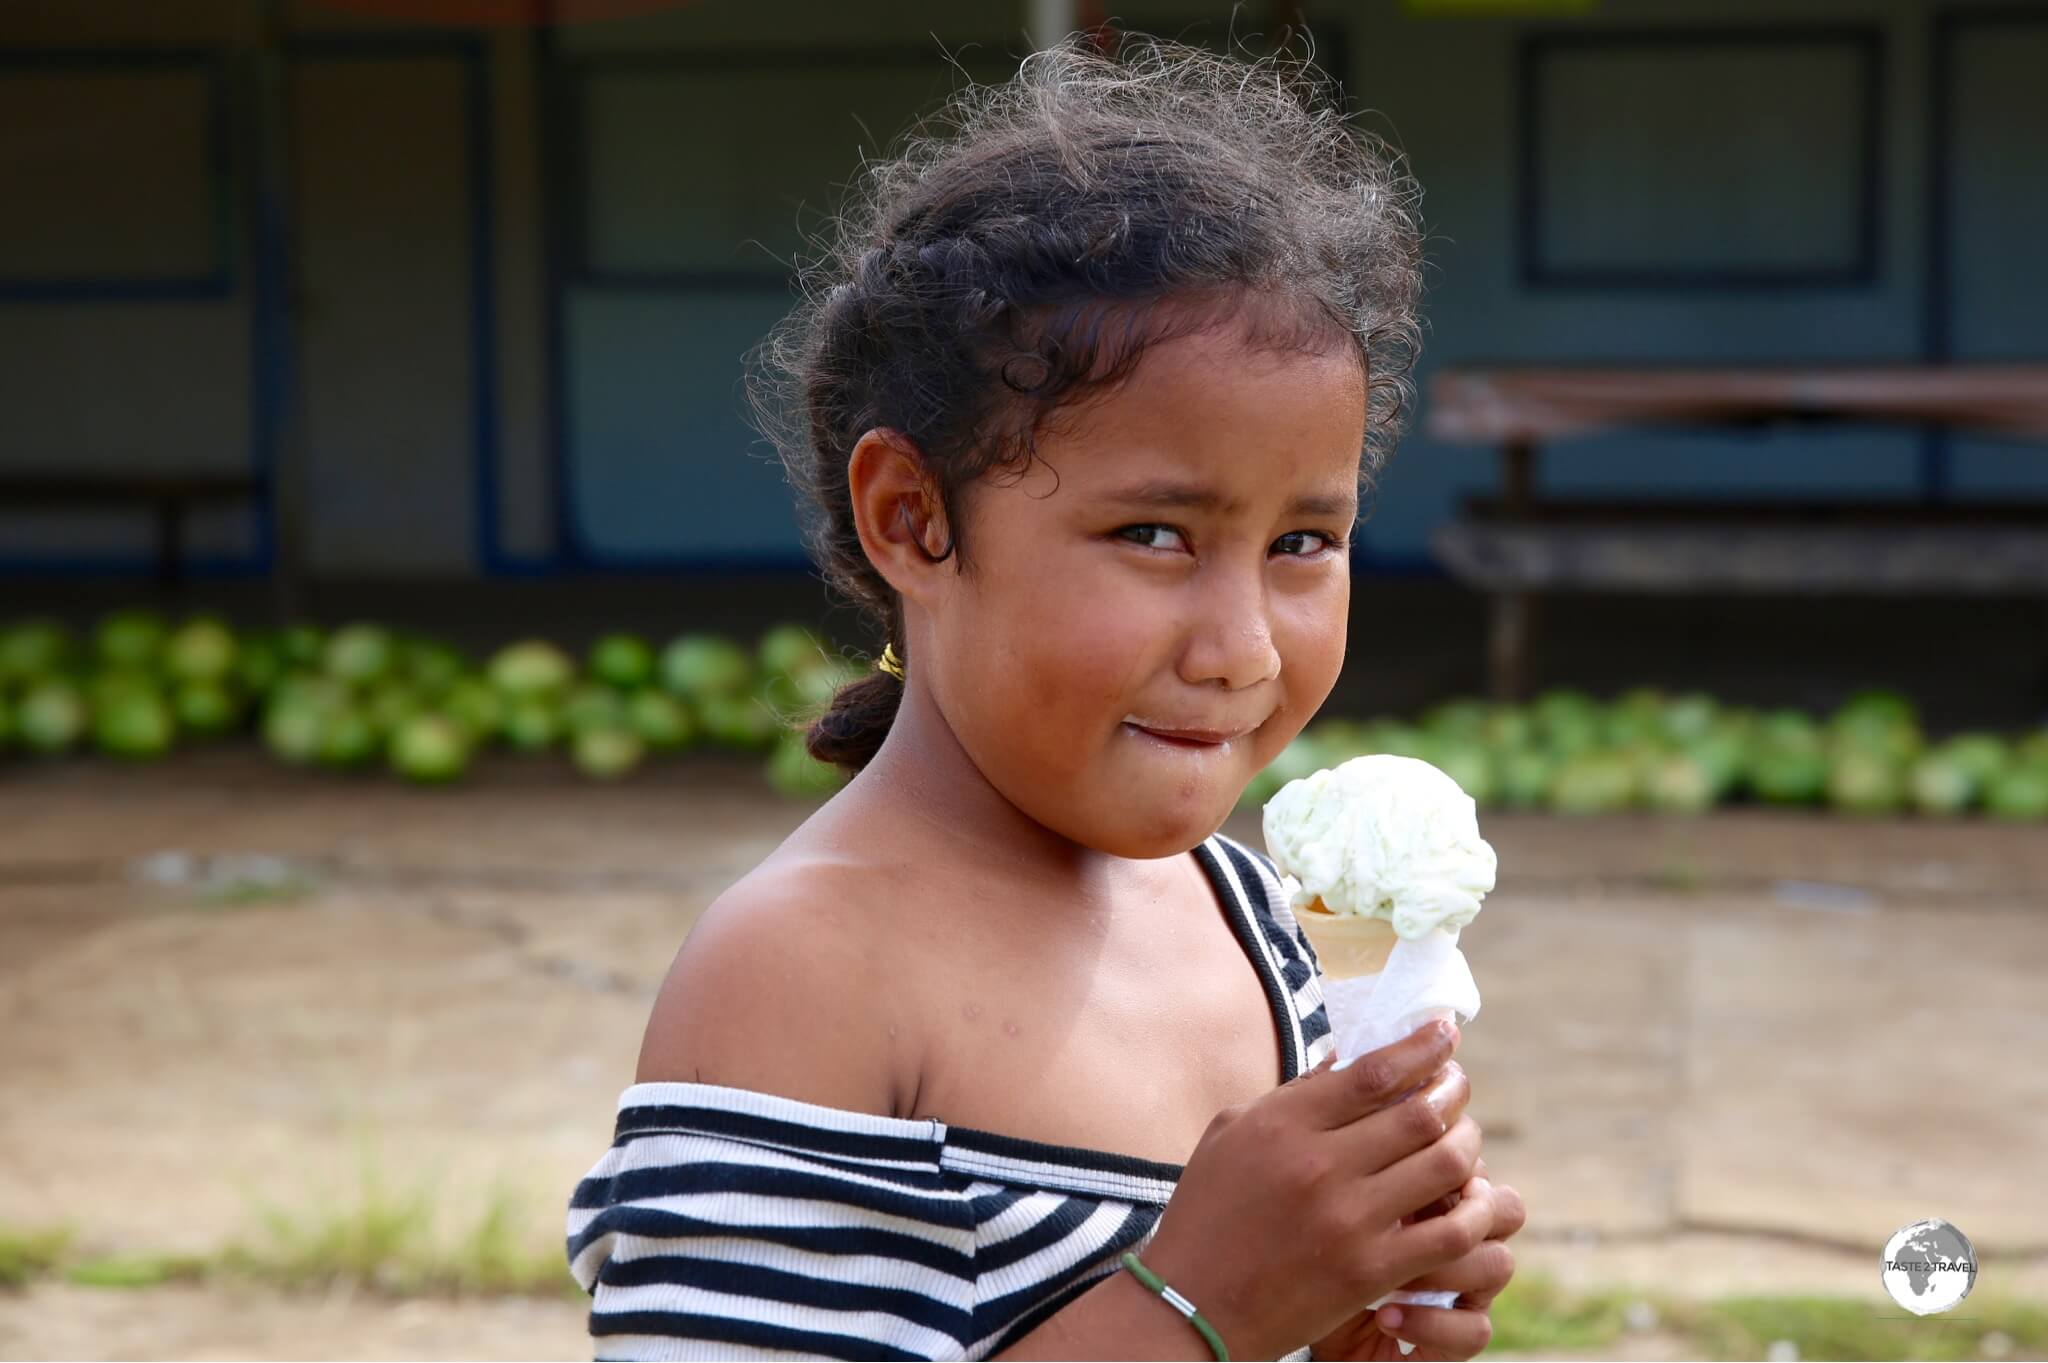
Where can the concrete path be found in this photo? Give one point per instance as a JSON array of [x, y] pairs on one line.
[[1714, 1055]]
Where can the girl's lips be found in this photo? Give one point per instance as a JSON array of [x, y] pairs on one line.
[[1194, 733], [1184, 744]]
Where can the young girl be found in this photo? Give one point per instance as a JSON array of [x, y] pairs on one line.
[[1007, 1051]]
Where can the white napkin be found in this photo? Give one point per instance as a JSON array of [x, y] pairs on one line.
[[1425, 978]]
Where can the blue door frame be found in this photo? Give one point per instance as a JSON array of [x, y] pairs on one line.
[[218, 282], [273, 380], [561, 80], [1938, 308], [469, 50], [565, 207]]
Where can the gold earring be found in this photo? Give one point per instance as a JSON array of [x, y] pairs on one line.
[[890, 663]]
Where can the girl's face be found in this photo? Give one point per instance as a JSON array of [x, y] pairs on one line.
[[1181, 564]]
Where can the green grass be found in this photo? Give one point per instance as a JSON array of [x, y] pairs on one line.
[[26, 1255], [138, 1270], [397, 1242], [1534, 1314], [386, 1241], [391, 1241], [492, 1256], [1843, 1327]]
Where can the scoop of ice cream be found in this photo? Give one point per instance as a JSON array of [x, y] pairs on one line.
[[1383, 836]]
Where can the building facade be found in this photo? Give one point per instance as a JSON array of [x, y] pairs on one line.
[[472, 300]]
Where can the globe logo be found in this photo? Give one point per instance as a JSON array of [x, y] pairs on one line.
[[1928, 1266]]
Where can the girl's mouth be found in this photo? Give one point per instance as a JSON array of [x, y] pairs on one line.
[[1182, 744]]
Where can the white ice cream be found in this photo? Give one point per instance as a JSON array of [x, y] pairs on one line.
[[1391, 837]]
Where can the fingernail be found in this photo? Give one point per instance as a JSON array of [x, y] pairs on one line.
[[1390, 1317]]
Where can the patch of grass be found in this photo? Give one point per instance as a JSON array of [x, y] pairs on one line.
[[374, 1243], [26, 1254], [1851, 1327], [1534, 1314], [384, 1242], [138, 1270], [391, 1241], [493, 1256]]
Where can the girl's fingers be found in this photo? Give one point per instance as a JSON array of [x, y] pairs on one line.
[[1444, 1332], [1510, 1213], [1424, 1245], [1477, 1277]]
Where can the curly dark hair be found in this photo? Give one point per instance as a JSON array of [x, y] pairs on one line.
[[1010, 259]]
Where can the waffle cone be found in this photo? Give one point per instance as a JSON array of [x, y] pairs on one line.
[[1347, 944]]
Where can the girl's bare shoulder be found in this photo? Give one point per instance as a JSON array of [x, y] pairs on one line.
[[784, 985]]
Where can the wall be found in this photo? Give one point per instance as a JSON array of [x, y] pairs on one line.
[[407, 406], [125, 328], [1452, 89], [525, 270], [677, 229]]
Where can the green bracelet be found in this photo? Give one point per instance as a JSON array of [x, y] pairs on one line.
[[1177, 1302]]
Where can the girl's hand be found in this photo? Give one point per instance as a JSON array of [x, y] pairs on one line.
[[1307, 1184], [1455, 1332]]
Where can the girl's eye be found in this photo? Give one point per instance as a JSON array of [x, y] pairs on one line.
[[1332, 543], [1328, 541], [1147, 529]]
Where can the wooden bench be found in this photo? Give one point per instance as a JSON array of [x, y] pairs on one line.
[[170, 499], [1520, 546]]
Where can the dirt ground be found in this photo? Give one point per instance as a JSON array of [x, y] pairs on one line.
[[1715, 1055]]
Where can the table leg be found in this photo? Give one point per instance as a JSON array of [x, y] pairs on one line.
[[1517, 476], [170, 544], [1508, 645], [1513, 623]]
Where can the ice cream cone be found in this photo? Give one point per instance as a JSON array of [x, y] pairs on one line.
[[1347, 944]]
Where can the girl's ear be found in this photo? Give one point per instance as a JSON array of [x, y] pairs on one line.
[[898, 512]]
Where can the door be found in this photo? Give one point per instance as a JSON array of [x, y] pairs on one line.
[[1997, 201], [383, 308]]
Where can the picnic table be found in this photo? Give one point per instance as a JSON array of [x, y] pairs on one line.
[[1520, 545], [170, 499]]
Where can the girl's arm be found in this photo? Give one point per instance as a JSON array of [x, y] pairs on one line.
[[1119, 1317]]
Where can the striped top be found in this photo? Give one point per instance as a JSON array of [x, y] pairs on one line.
[[726, 1223]]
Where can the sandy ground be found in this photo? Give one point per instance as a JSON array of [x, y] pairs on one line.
[[1718, 1055]]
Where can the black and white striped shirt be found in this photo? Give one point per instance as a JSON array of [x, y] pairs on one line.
[[726, 1223]]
